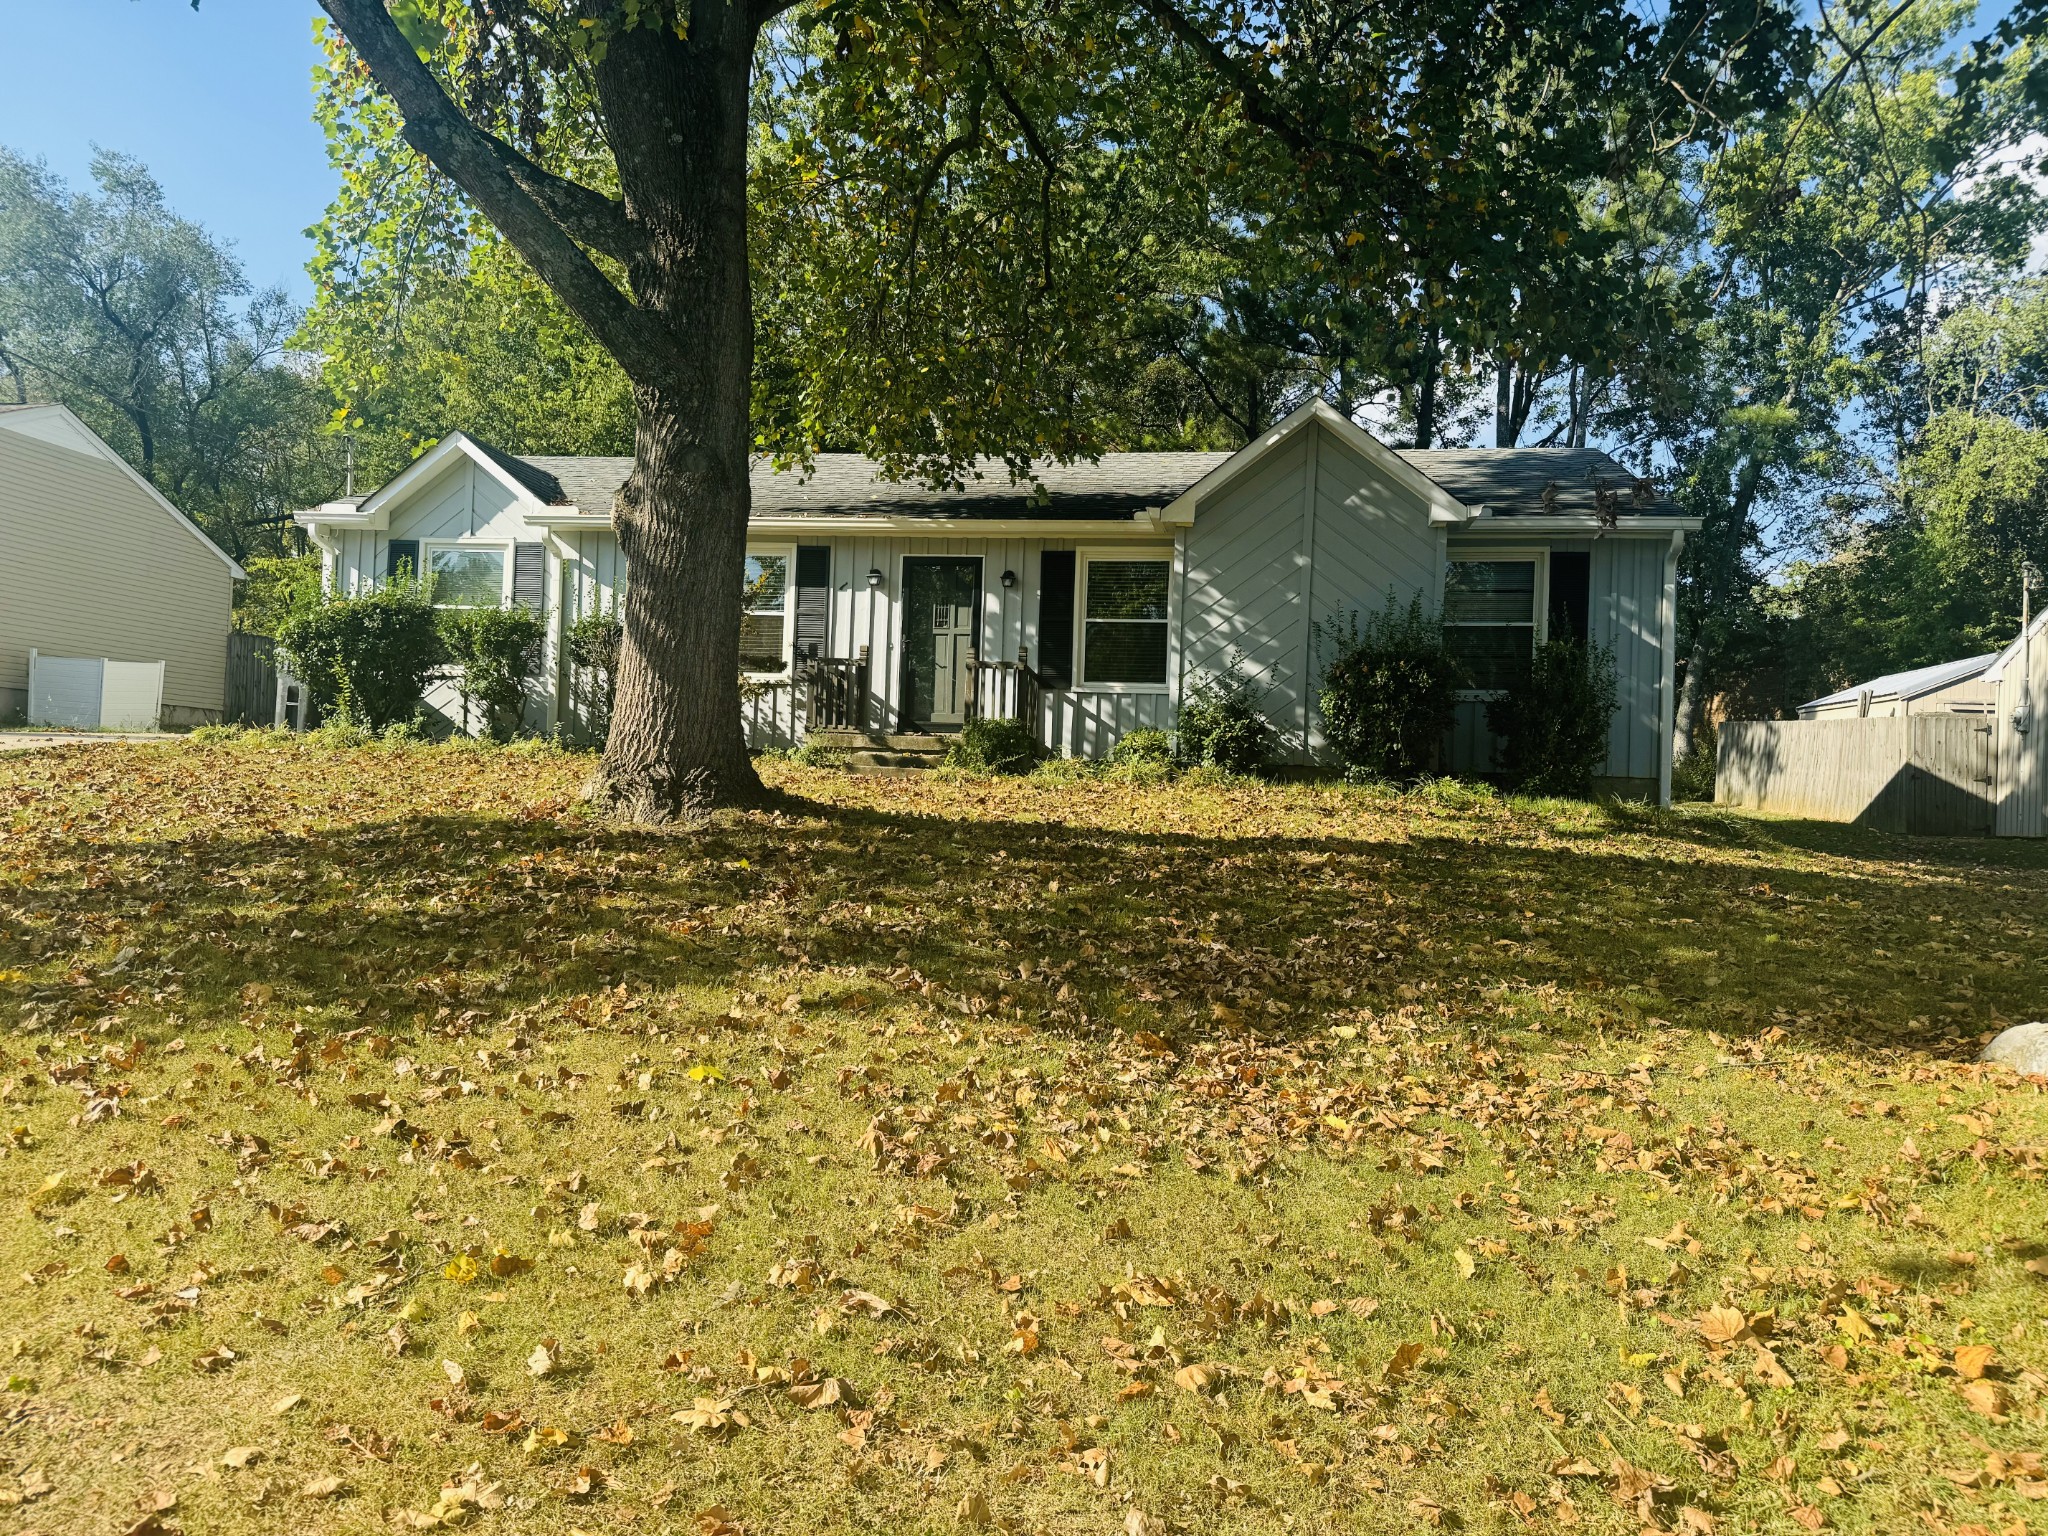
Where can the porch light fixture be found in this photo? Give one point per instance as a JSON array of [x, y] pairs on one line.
[[1009, 580], [875, 577]]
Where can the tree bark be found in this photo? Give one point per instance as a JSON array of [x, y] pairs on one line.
[[675, 115], [1425, 391], [678, 116]]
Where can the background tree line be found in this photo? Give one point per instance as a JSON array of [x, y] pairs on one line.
[[1797, 289]]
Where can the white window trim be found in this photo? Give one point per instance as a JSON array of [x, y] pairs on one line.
[[428, 546], [1539, 628], [788, 553], [1087, 558]]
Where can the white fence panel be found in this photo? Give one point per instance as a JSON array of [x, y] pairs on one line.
[[64, 690], [131, 695]]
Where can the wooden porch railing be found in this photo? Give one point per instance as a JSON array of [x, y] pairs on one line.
[[1007, 690], [833, 691]]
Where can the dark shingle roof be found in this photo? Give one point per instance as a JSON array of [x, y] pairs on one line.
[[845, 485], [1512, 481]]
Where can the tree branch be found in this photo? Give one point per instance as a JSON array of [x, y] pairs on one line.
[[548, 219]]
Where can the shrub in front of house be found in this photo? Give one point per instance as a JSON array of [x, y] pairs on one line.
[[1147, 746], [1388, 697], [1553, 721], [1220, 725], [366, 659], [992, 746], [496, 652], [593, 643]]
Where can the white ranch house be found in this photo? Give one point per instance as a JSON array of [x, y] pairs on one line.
[[1089, 602]]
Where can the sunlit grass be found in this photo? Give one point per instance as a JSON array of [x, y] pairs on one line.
[[1063, 1154]]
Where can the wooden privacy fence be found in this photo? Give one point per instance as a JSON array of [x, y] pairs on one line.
[[1927, 774], [252, 680]]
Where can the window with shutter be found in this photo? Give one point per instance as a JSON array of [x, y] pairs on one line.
[[1571, 589], [530, 576], [1055, 654], [813, 599]]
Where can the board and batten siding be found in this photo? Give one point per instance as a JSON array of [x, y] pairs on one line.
[[1625, 612], [462, 504], [2020, 758], [1077, 721], [94, 566], [1279, 560]]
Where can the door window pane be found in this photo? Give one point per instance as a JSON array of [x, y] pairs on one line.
[[468, 578], [764, 602], [1124, 634]]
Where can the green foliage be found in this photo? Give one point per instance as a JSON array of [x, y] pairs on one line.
[[278, 588], [593, 643], [992, 746], [1220, 725], [495, 651], [145, 326], [1553, 720], [1388, 696], [1692, 774], [366, 659], [1147, 744]]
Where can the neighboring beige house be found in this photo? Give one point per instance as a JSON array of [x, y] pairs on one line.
[[97, 566]]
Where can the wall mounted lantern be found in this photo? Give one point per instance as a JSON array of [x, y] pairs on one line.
[[875, 577], [1009, 580]]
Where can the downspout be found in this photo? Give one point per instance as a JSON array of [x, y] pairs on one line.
[[1668, 645], [1308, 577]]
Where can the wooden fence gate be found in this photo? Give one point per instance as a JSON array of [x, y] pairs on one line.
[[1927, 774], [252, 680]]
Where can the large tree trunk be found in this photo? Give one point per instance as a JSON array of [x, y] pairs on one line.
[[674, 112], [678, 121]]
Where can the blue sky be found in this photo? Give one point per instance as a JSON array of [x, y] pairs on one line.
[[217, 102]]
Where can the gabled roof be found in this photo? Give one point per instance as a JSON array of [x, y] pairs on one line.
[[2006, 657], [1459, 485], [59, 427], [1914, 684], [1443, 506]]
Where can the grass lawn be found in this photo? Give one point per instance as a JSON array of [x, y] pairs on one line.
[[388, 1143]]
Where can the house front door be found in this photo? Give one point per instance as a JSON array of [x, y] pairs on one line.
[[941, 601]]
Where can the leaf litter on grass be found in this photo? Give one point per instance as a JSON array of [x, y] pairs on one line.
[[1080, 1153]]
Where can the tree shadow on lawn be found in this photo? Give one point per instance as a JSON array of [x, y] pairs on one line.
[[1080, 927], [1734, 828]]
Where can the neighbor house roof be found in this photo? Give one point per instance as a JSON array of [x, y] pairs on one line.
[[1539, 482], [1914, 684]]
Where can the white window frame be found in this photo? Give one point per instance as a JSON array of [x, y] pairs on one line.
[[788, 554], [1086, 558], [1539, 628], [504, 550]]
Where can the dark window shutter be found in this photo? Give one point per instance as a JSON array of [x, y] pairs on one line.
[[813, 598], [1055, 658], [1571, 588], [530, 576], [402, 556]]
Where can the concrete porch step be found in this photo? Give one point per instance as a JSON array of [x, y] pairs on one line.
[[923, 742]]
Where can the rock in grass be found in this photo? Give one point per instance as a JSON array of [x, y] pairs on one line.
[[2024, 1048]]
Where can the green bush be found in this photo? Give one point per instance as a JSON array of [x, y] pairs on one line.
[[366, 659], [1388, 697], [1692, 776], [496, 651], [593, 643], [992, 746], [1146, 746], [1553, 722], [1220, 726]]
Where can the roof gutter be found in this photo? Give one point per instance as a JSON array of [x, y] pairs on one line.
[[1147, 523], [1490, 520]]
